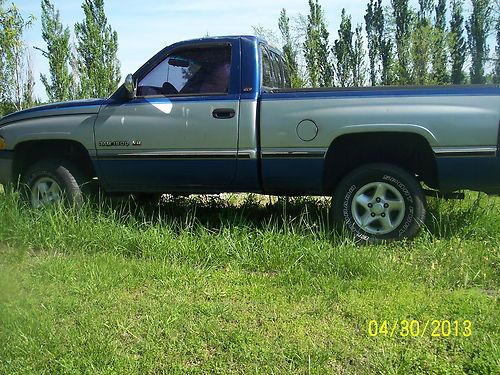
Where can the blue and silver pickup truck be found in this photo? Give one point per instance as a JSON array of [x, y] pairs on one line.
[[217, 115]]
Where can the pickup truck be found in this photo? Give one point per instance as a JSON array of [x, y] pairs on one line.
[[218, 115]]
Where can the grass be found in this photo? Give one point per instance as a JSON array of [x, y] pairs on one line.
[[242, 285]]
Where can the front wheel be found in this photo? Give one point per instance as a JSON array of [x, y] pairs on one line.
[[49, 182], [379, 202]]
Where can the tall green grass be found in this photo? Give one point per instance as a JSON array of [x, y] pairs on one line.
[[240, 284], [259, 234]]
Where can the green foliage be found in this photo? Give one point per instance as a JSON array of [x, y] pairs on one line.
[[425, 11], [343, 52], [385, 47], [372, 21], [317, 48], [422, 41], [60, 85], [6, 108], [16, 77], [404, 19], [348, 54], [428, 44], [457, 43], [478, 27], [290, 50], [358, 58], [439, 51], [96, 52]]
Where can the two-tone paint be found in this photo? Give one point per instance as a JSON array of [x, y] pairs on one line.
[[275, 141]]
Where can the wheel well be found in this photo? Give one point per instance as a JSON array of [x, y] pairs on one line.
[[27, 153], [409, 151]]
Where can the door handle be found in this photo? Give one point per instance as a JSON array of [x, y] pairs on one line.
[[223, 113]]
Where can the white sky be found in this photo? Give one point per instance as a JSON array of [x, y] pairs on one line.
[[144, 27]]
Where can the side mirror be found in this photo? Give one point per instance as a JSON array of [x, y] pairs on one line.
[[130, 86]]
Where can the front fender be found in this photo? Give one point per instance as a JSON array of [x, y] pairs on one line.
[[78, 128]]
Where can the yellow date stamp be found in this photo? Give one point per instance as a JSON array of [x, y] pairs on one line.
[[417, 328]]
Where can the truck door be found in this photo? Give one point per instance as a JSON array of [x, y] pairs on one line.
[[181, 130]]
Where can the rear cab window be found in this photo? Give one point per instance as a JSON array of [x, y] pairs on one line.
[[274, 73]]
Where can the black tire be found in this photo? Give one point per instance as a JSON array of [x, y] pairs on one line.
[[379, 203], [66, 175]]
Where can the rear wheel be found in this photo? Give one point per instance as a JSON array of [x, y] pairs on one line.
[[50, 182], [379, 202]]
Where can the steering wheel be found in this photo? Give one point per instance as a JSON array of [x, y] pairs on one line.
[[168, 89]]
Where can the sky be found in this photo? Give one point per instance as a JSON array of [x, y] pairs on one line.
[[144, 27]]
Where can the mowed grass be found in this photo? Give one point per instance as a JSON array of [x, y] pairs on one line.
[[244, 285]]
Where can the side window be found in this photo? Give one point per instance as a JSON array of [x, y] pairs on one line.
[[198, 70]]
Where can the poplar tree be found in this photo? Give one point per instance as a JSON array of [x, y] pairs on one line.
[[439, 51], [385, 45], [478, 27], [289, 50], [403, 20], [358, 58], [421, 43], [372, 39], [57, 37], [316, 48], [96, 52], [342, 52], [457, 43]]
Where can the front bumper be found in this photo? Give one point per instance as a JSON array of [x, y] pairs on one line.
[[6, 163]]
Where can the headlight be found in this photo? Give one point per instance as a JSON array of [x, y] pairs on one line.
[[3, 145]]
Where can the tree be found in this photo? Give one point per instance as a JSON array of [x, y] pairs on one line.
[[403, 21], [316, 48], [29, 83], [372, 39], [379, 45], [342, 52], [290, 51], [457, 42], [422, 39], [358, 59], [478, 27], [96, 52], [385, 45], [16, 76], [59, 86], [439, 51]]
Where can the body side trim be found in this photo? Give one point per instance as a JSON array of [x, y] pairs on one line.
[[294, 153], [472, 151], [177, 154]]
